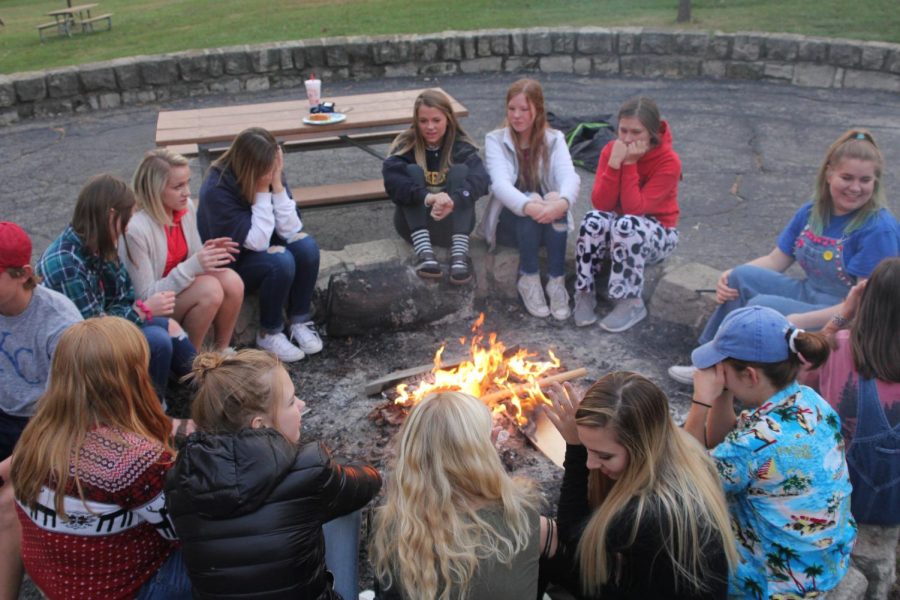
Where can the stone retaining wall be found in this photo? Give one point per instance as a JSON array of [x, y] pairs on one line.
[[621, 52]]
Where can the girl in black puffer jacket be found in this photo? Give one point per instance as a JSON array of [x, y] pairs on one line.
[[248, 502]]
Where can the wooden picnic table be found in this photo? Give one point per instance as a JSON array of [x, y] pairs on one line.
[[371, 118], [66, 19]]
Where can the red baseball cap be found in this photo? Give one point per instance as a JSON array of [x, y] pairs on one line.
[[15, 246]]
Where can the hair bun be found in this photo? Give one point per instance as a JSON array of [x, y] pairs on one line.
[[206, 362]]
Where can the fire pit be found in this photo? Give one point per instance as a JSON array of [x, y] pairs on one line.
[[509, 380]]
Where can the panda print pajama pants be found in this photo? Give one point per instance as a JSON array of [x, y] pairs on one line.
[[629, 242]]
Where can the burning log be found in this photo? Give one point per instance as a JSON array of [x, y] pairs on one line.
[[499, 395]]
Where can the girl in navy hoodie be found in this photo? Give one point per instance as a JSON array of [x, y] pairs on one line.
[[636, 200], [244, 198]]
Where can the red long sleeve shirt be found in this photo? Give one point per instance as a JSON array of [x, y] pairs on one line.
[[646, 188]]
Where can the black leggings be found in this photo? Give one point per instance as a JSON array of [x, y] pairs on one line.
[[414, 217]]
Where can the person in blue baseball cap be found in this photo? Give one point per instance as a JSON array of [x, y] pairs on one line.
[[781, 461]]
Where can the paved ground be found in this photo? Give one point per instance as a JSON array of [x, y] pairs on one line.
[[750, 152]]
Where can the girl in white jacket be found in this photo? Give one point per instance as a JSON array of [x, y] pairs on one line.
[[163, 251], [533, 189]]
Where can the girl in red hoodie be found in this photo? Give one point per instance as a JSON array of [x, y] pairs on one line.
[[636, 200]]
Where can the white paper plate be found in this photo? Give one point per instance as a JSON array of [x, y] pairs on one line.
[[332, 119]]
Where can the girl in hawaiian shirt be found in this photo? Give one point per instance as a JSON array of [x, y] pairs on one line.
[[781, 462]]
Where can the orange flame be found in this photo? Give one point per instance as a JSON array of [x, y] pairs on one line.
[[487, 369]]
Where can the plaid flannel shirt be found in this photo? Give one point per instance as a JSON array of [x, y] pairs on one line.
[[96, 286]]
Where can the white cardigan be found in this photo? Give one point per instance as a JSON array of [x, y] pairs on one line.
[[146, 241], [503, 167]]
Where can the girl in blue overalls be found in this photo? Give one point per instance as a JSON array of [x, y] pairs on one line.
[[837, 239]]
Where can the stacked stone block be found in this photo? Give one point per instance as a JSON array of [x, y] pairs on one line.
[[587, 51]]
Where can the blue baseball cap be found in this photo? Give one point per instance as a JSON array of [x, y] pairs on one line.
[[752, 333]]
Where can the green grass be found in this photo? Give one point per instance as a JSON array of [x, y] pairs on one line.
[[156, 26]]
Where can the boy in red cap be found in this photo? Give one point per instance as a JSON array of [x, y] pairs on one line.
[[32, 318]]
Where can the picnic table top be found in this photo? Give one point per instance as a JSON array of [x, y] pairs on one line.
[[71, 10], [285, 119]]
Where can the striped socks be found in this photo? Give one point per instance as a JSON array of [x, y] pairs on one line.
[[460, 246], [421, 240], [427, 266]]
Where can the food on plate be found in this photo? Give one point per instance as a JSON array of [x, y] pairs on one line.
[[319, 117]]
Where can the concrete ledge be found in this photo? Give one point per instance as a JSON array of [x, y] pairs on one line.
[[588, 51], [370, 286], [851, 587], [875, 555], [676, 299]]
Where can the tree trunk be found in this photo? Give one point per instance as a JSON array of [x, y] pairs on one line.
[[391, 298], [684, 11]]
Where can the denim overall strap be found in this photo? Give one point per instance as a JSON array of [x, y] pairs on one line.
[[874, 461], [822, 259]]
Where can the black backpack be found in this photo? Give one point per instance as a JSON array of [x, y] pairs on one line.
[[585, 137]]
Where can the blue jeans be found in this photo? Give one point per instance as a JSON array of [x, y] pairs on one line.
[[167, 354], [11, 428], [342, 553], [528, 236], [285, 278], [171, 582], [757, 286]]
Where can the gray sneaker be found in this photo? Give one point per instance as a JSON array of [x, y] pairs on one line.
[[532, 293], [559, 298], [627, 313], [585, 305]]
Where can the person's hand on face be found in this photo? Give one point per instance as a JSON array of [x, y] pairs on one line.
[[709, 384], [277, 170], [618, 154], [636, 150]]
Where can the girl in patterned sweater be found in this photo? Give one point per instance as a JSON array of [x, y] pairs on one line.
[[88, 473]]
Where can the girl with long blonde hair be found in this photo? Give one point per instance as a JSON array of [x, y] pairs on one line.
[[88, 473], [434, 176], [163, 251], [454, 524], [533, 189], [641, 512]]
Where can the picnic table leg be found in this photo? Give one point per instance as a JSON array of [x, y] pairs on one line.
[[361, 146], [203, 158]]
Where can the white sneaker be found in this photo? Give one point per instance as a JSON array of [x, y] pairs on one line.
[[682, 373], [559, 298], [306, 336], [280, 346], [529, 287]]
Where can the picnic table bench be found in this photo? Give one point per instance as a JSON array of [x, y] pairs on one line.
[[371, 119], [67, 20]]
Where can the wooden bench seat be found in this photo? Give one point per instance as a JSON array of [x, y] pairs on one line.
[[88, 24], [337, 194], [61, 27]]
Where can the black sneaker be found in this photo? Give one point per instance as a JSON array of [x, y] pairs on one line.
[[428, 267], [460, 270]]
